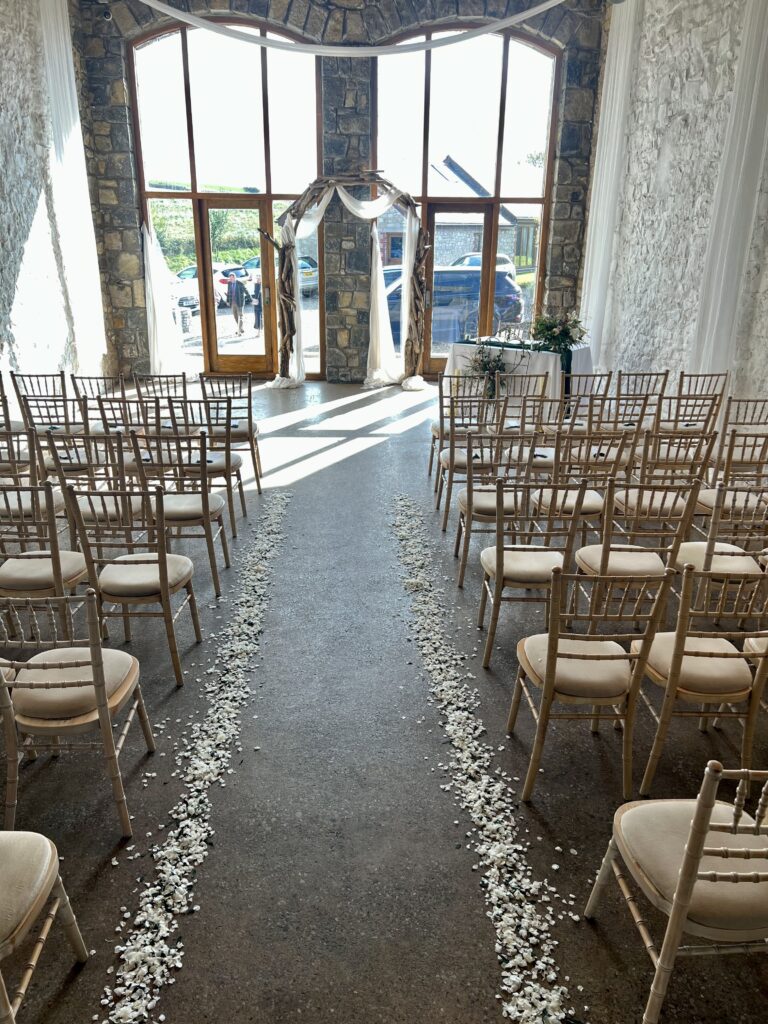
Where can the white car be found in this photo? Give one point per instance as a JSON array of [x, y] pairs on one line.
[[475, 259], [185, 286]]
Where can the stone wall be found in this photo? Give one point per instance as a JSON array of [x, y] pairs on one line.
[[36, 330], [750, 376], [574, 27], [678, 115]]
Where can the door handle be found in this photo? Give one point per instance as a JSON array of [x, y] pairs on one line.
[[428, 299], [266, 295]]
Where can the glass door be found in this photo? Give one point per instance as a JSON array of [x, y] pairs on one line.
[[238, 268], [458, 278]]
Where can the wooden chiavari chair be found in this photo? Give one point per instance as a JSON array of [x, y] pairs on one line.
[[529, 545], [244, 431], [160, 385], [34, 565], [591, 656], [516, 388], [735, 535], [672, 455], [71, 687], [651, 384], [8, 424], [673, 850], [465, 414], [17, 455], [146, 573], [92, 387], [742, 459], [746, 416], [702, 384], [192, 416], [29, 867], [692, 414], [52, 412], [118, 414], [191, 508], [452, 386], [706, 661]]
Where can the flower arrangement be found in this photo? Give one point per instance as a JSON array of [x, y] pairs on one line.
[[556, 333], [490, 359]]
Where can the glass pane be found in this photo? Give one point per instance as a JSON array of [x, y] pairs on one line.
[[162, 113], [227, 114], [175, 231], [464, 117], [517, 261], [307, 253], [292, 120], [391, 228], [235, 240], [458, 240], [530, 81], [401, 119]]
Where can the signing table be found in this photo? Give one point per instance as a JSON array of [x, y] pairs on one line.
[[520, 359]]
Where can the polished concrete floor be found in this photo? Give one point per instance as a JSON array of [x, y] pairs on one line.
[[338, 888]]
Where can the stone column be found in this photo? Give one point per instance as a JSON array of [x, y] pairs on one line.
[[346, 99]]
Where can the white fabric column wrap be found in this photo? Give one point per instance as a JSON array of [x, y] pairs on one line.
[[166, 353]]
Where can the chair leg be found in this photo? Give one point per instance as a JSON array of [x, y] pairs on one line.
[[431, 457], [594, 726], [223, 539], [113, 770], [6, 1010], [748, 738], [171, 634], [11, 789], [448, 492], [439, 485], [459, 528], [483, 601], [231, 506], [627, 748], [126, 624], [241, 491], [538, 749], [208, 531], [144, 722], [194, 613], [603, 876], [465, 549], [68, 919], [663, 974], [495, 609], [658, 743], [256, 463], [514, 707]]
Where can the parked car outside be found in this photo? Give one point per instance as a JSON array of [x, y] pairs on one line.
[[221, 281], [185, 286], [455, 302], [475, 259]]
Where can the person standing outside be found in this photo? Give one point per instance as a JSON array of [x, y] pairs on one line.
[[257, 305], [236, 296]]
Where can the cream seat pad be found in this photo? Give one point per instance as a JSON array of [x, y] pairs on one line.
[[523, 565], [654, 833], [592, 679], [623, 560], [179, 507], [119, 669], [26, 572], [216, 462], [740, 502], [238, 429], [566, 501], [650, 503], [24, 506], [29, 865], [104, 509], [700, 675], [121, 579], [735, 564], [484, 502]]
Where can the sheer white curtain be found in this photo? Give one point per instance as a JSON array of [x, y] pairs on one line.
[[410, 240], [623, 43], [735, 201], [166, 353], [80, 277]]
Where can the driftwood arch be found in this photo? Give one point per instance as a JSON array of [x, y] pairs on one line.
[[413, 347]]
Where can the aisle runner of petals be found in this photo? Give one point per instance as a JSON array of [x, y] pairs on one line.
[[520, 907], [149, 956]]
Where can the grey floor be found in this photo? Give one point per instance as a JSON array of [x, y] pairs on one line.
[[338, 888]]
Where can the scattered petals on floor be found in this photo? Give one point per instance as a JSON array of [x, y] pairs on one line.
[[150, 954], [520, 906]]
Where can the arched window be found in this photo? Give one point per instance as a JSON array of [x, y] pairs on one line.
[[468, 129], [217, 122]]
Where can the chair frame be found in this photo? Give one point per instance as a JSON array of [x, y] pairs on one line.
[[696, 849], [453, 386], [608, 602], [239, 388], [54, 895], [45, 734]]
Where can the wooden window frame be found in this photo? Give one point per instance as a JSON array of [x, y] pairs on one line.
[[201, 200]]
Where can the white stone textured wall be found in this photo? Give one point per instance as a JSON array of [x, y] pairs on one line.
[[679, 110], [751, 374], [35, 323]]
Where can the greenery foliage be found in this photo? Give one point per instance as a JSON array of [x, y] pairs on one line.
[[556, 333]]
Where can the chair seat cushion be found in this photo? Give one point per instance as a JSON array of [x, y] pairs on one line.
[[650, 502], [700, 675], [543, 457], [21, 505], [566, 501], [609, 456], [69, 466], [216, 462], [459, 458], [104, 509], [29, 865], [120, 668], [623, 560], [653, 834], [26, 572], [239, 429], [731, 560], [523, 565], [484, 502], [122, 579], [741, 501], [593, 679], [180, 507]]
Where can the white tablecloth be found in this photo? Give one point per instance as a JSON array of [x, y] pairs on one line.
[[460, 359]]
